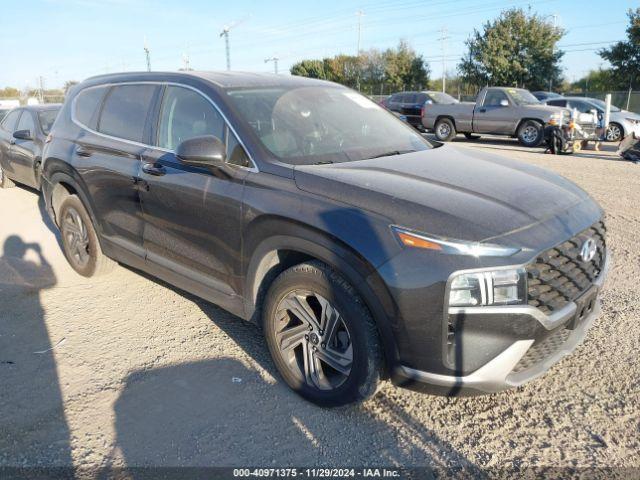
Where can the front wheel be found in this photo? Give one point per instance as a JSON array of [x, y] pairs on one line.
[[321, 336], [445, 130], [613, 133], [530, 133]]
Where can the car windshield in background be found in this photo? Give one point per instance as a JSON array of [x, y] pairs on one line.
[[308, 125], [443, 98], [602, 106], [46, 119], [522, 97]]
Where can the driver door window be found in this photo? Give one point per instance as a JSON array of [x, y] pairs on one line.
[[26, 123], [186, 114]]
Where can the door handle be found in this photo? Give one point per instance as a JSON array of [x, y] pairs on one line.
[[155, 169], [483, 110], [83, 152]]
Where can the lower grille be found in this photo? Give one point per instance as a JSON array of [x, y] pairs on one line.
[[558, 276], [539, 351]]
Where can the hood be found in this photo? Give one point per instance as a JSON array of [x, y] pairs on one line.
[[449, 191], [626, 114]]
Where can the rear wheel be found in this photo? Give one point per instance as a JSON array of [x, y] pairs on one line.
[[530, 133], [445, 130], [321, 336], [5, 182], [79, 240]]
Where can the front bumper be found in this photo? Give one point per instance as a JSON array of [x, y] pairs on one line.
[[521, 362]]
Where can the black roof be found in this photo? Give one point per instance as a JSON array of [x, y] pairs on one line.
[[219, 79]]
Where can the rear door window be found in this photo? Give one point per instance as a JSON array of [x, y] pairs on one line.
[[87, 106], [9, 122], [26, 123], [125, 111], [186, 114], [46, 119]]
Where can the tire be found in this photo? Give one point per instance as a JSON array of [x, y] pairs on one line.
[[5, 182], [614, 132], [530, 133], [444, 130], [351, 344], [79, 240], [471, 136]]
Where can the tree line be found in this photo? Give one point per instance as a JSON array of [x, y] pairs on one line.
[[516, 49]]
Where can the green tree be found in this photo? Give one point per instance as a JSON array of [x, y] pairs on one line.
[[600, 80], [309, 68], [624, 57], [9, 92], [395, 68], [516, 49]]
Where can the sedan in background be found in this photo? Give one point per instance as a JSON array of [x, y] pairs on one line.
[[622, 123], [23, 133], [542, 96], [411, 104]]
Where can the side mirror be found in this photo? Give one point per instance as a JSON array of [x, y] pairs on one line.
[[22, 135], [204, 151], [504, 102]]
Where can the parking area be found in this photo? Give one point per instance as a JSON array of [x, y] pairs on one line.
[[125, 370]]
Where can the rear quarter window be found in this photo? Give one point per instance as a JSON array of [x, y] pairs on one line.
[[87, 106], [125, 110]]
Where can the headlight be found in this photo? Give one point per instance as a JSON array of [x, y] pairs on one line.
[[453, 247], [497, 287], [633, 120]]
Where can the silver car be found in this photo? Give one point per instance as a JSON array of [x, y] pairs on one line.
[[622, 123]]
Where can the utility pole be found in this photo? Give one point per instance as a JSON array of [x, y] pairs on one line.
[[147, 54], [359, 13], [443, 38], [553, 48], [275, 63], [225, 34], [41, 89]]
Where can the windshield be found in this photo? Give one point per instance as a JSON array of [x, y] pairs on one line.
[[602, 106], [307, 125], [522, 97], [443, 98], [46, 119]]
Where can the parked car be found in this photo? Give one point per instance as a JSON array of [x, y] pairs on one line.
[[542, 96], [621, 122], [503, 111], [363, 252], [411, 104], [22, 137]]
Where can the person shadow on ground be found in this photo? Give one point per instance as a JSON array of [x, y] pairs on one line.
[[32, 420]]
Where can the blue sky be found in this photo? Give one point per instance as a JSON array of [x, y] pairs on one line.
[[73, 39]]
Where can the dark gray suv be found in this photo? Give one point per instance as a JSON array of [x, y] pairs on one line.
[[362, 251]]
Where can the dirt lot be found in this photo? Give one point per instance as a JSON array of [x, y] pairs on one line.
[[126, 370]]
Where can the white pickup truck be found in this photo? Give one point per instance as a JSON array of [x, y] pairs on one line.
[[498, 110]]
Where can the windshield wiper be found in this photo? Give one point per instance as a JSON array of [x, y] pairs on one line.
[[391, 153]]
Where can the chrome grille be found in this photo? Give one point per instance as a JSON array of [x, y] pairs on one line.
[[558, 276]]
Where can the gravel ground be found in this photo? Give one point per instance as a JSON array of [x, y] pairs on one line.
[[127, 371]]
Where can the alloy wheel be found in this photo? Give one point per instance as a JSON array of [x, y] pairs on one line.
[[313, 340], [76, 237], [613, 133]]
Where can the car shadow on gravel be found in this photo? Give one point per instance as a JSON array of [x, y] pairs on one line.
[[224, 412], [32, 418], [221, 412]]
